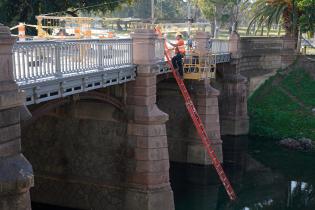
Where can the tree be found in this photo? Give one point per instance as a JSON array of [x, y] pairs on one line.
[[307, 16], [165, 10], [221, 12], [293, 14], [14, 11]]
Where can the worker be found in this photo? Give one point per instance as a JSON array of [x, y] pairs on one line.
[[190, 43], [179, 48]]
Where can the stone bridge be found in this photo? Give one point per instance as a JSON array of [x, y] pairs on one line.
[[107, 117]]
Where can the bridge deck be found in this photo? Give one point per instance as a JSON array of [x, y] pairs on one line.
[[47, 70]]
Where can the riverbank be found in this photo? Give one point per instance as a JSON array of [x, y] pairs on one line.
[[283, 107]]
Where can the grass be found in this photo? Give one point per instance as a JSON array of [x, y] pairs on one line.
[[276, 114], [301, 85]]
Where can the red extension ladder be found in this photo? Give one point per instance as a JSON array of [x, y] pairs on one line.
[[200, 128]]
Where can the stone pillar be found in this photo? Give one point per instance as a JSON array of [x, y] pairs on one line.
[[16, 174], [206, 102], [148, 186], [289, 51], [202, 42], [233, 100]]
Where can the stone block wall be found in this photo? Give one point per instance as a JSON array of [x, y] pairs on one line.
[[16, 174], [260, 57], [170, 101], [185, 145], [265, 54], [79, 157]]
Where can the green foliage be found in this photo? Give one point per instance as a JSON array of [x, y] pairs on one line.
[[307, 17], [270, 12], [300, 84], [290, 13], [207, 8], [223, 10], [14, 11], [165, 10], [274, 114]]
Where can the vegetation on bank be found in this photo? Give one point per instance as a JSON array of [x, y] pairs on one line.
[[282, 106]]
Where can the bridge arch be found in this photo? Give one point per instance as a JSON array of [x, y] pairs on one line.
[[42, 109], [77, 156]]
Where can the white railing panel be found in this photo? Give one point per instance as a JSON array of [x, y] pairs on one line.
[[33, 60], [218, 46], [159, 49], [41, 60]]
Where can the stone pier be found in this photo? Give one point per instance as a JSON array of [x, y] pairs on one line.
[[148, 185], [253, 61], [16, 174], [206, 101], [185, 145], [233, 99]]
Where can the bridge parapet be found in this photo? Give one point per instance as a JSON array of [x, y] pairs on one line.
[[220, 46], [38, 60], [262, 54], [48, 70]]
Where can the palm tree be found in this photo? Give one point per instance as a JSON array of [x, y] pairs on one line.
[[269, 12]]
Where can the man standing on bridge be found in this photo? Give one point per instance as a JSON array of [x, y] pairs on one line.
[[179, 47]]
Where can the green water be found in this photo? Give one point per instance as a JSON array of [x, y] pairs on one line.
[[264, 175]]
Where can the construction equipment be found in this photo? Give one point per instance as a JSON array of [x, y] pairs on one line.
[[200, 127], [199, 66]]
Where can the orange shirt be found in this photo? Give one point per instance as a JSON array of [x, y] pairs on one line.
[[180, 47]]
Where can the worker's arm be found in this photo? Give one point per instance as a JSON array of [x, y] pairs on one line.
[[174, 45]]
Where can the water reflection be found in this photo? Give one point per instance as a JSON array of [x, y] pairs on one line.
[[267, 182]]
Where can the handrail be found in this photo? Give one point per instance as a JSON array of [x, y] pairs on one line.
[[310, 44], [41, 60], [219, 46]]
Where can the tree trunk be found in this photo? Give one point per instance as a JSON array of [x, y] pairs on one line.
[[212, 28]]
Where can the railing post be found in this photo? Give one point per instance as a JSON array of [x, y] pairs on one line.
[[16, 174], [100, 55], [57, 59]]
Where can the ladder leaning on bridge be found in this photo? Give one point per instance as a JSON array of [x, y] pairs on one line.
[[200, 127]]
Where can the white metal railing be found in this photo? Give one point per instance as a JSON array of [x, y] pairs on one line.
[[307, 46], [159, 49], [218, 46], [42, 60]]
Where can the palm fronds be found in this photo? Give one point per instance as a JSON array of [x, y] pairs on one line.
[[270, 12]]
